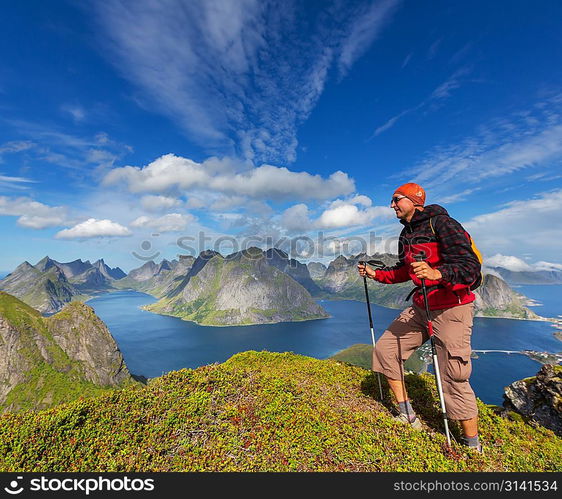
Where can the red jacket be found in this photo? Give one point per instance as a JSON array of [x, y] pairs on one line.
[[447, 248]]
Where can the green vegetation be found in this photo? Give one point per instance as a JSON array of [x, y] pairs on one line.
[[361, 355], [262, 411]]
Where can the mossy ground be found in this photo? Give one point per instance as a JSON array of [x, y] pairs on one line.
[[361, 355], [262, 411]]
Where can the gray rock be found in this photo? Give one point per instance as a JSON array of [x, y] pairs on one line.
[[538, 398]]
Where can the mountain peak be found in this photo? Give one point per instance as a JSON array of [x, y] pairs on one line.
[[45, 264]]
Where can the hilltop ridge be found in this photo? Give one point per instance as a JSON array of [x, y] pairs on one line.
[[262, 411]]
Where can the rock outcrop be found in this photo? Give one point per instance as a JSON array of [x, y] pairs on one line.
[[297, 270], [316, 270], [157, 279], [538, 398], [44, 361], [494, 298]]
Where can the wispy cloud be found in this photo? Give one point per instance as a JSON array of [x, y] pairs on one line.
[[15, 146], [526, 139], [406, 60], [371, 19], [432, 102], [83, 155], [238, 77], [15, 183], [433, 48], [518, 265], [76, 112]]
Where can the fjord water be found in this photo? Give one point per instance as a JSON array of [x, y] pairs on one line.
[[154, 344]]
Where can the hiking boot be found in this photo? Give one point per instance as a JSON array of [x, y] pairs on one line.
[[402, 418]]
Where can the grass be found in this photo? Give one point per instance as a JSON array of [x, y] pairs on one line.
[[360, 355], [262, 411]]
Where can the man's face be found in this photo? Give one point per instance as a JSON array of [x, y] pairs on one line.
[[403, 207]]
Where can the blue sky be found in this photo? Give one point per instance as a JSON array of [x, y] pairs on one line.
[[127, 126]]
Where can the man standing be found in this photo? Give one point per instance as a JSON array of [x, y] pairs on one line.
[[449, 268]]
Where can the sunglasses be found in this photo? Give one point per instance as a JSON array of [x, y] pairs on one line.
[[395, 199]]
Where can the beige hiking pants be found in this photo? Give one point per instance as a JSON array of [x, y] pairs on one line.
[[452, 329]]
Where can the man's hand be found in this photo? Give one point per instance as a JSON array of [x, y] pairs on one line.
[[424, 271], [366, 271]]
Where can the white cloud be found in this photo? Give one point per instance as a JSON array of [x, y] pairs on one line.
[[338, 214], [171, 172], [159, 203], [529, 226], [508, 262], [172, 222], [345, 215], [296, 218], [547, 266], [241, 76], [517, 265], [94, 228], [32, 214], [194, 203]]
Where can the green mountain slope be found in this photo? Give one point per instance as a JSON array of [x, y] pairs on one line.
[[46, 361], [361, 354], [239, 289], [261, 411]]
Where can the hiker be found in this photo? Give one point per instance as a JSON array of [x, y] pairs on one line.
[[449, 268]]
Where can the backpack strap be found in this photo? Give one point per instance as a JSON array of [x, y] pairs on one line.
[[476, 252]]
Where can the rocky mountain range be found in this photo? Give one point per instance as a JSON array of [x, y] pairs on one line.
[[47, 361], [48, 285], [528, 277], [246, 287], [494, 298]]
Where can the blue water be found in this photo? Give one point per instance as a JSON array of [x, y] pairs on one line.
[[548, 296], [153, 344]]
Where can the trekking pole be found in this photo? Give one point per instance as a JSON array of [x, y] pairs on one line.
[[380, 265], [420, 258]]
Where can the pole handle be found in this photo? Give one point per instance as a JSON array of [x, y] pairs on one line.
[[420, 257]]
